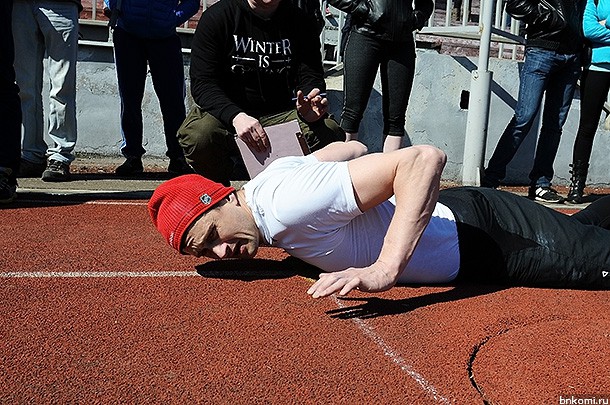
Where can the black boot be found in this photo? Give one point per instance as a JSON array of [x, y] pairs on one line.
[[577, 186]]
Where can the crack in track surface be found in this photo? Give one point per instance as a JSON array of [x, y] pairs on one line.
[[477, 348], [473, 355]]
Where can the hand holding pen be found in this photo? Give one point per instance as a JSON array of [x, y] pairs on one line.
[[313, 106]]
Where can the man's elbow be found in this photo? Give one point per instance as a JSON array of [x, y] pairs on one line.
[[357, 148]]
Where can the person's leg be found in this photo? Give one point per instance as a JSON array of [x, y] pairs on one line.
[[536, 243], [58, 22], [131, 65], [594, 90], [359, 70], [10, 113], [167, 71], [565, 71], [29, 55], [208, 146], [534, 76], [597, 213], [397, 73]]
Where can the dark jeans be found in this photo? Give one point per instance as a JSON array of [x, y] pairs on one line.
[[508, 239], [364, 55], [133, 57], [10, 104], [594, 90], [211, 150], [546, 73]]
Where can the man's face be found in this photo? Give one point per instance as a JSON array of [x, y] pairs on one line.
[[226, 231], [264, 7]]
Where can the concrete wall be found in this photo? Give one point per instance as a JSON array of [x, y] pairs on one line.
[[435, 114]]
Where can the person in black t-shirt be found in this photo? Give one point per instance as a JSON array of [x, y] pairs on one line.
[[254, 63]]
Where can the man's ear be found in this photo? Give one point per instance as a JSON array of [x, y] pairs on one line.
[[231, 199]]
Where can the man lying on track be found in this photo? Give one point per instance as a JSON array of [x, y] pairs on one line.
[[375, 220]]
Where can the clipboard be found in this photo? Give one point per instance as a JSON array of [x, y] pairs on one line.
[[285, 139]]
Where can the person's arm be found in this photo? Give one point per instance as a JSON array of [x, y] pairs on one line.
[[185, 10], [412, 175], [539, 12], [208, 61], [310, 72], [358, 8], [421, 12], [592, 25], [340, 151]]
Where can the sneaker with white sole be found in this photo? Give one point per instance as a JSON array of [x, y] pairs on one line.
[[545, 195], [56, 171]]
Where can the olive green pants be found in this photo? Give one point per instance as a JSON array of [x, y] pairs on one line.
[[211, 150]]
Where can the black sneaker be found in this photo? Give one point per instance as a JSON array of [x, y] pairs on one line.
[[178, 167], [31, 169], [545, 194], [8, 186], [131, 167], [56, 171]]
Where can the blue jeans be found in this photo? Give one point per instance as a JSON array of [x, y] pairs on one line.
[[133, 57], [543, 71], [47, 29]]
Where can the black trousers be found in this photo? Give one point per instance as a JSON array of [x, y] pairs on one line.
[[508, 239], [364, 55], [163, 56], [594, 90], [10, 104]]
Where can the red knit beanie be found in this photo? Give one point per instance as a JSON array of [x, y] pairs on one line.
[[178, 202]]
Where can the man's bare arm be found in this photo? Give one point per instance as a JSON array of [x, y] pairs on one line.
[[341, 151], [413, 176]]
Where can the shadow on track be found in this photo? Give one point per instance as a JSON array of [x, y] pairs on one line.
[[373, 307], [39, 199], [256, 269]]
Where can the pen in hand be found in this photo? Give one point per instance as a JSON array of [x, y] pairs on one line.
[[306, 98]]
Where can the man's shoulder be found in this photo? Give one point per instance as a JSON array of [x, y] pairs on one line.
[[218, 15]]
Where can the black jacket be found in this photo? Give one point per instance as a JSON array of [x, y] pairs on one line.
[[392, 20], [241, 62], [551, 24]]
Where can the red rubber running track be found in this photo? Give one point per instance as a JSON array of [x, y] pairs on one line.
[[96, 308]]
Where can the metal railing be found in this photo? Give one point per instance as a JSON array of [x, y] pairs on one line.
[[451, 25], [448, 25]]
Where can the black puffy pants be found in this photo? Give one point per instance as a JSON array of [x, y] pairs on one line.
[[508, 239]]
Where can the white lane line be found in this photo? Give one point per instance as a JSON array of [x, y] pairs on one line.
[[395, 357], [76, 202], [93, 274], [115, 203]]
